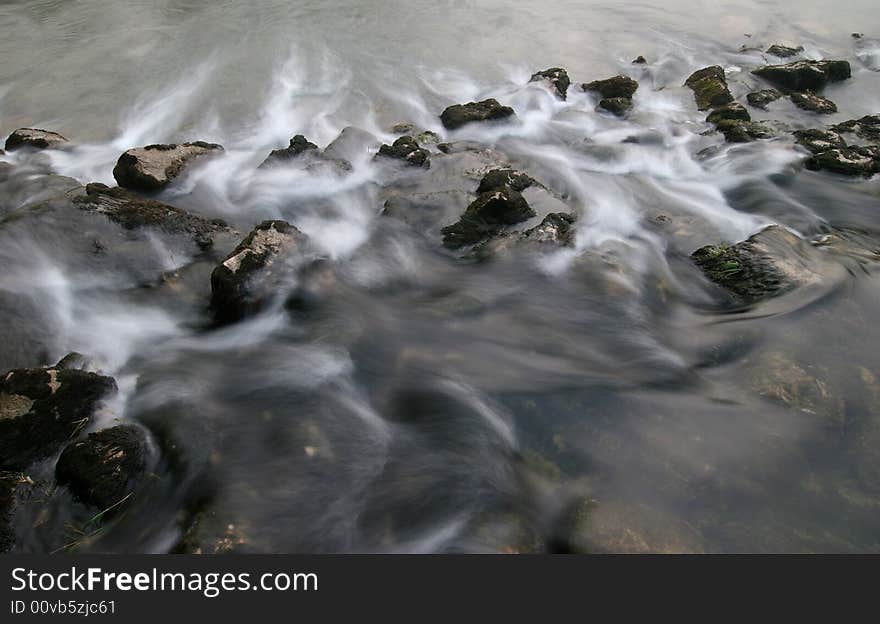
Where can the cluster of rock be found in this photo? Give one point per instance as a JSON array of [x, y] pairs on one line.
[[832, 152], [616, 93], [729, 118]]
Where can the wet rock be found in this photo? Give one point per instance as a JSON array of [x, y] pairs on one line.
[[818, 141], [556, 77], [617, 106], [614, 87], [801, 386], [766, 264], [804, 75], [760, 99], [254, 271], [153, 167], [852, 161], [556, 229], [500, 178], [14, 487], [406, 149], [733, 111], [867, 128], [298, 146], [132, 211], [107, 466], [34, 138], [710, 87], [487, 216], [639, 60], [737, 131], [458, 115], [809, 101], [41, 408], [782, 51], [352, 145]]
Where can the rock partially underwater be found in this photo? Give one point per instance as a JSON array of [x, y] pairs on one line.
[[458, 115], [34, 138], [154, 167]]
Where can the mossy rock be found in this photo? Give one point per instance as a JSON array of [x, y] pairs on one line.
[[710, 87]]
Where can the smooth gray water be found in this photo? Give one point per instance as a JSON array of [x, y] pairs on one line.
[[430, 404]]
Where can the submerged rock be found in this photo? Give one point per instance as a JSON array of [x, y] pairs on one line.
[[458, 115], [764, 265], [852, 161], [35, 138], [617, 106], [555, 230], [557, 77], [406, 149], [614, 87], [738, 131], [733, 111], [639, 60], [710, 87], [251, 274], [804, 75], [867, 128], [298, 145], [784, 51], [760, 99], [500, 178], [41, 408], [153, 167], [132, 211], [107, 466], [809, 101], [487, 216], [818, 141]]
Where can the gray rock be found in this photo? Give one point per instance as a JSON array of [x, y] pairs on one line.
[[487, 216], [809, 101], [861, 161], [458, 115], [34, 138], [154, 167], [760, 99]]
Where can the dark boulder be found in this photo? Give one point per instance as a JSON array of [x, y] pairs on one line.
[[818, 141], [760, 99], [406, 149], [500, 178], [614, 87], [153, 167], [555, 230], [804, 75], [733, 111], [132, 211], [251, 275], [640, 60], [41, 408], [35, 138], [458, 115], [738, 131], [107, 466], [556, 77], [866, 128], [487, 216], [616, 106], [809, 101], [782, 51], [710, 87], [298, 146], [852, 161], [771, 262]]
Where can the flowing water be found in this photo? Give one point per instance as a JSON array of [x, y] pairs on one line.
[[591, 397]]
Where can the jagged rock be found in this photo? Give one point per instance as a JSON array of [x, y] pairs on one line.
[[106, 466], [852, 161], [556, 229], [804, 75], [132, 211], [250, 275], [818, 141], [738, 131], [639, 60], [406, 149], [486, 216], [41, 408], [809, 101], [35, 138], [769, 263], [557, 77], [617, 106], [867, 128], [458, 115], [153, 167], [710, 87], [733, 111], [500, 178], [298, 145], [760, 99], [784, 51], [614, 87]]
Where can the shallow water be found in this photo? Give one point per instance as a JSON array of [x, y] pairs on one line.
[[424, 403]]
